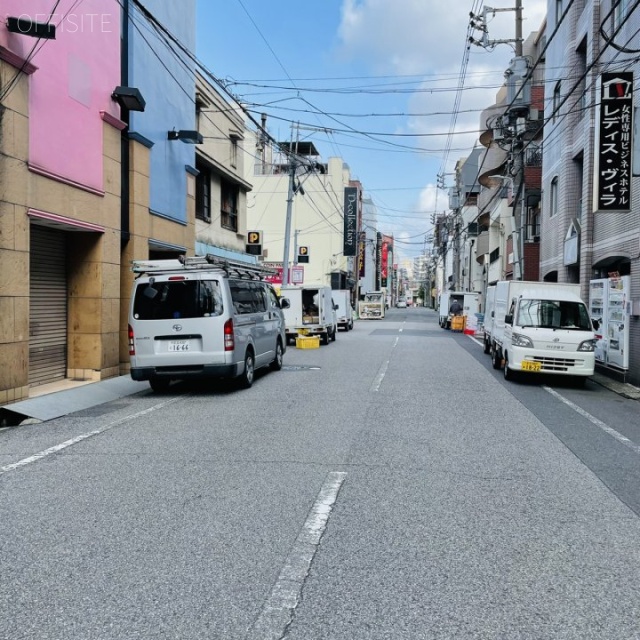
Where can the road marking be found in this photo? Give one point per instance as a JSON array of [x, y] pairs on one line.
[[375, 385], [602, 425], [84, 436], [277, 613], [585, 414]]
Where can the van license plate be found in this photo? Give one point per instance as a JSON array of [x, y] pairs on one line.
[[531, 366], [178, 345]]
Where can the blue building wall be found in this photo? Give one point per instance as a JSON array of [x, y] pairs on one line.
[[165, 76]]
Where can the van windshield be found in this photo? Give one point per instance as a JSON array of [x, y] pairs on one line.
[[177, 299], [553, 314]]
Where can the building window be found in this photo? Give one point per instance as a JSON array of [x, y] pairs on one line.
[[203, 192], [559, 9], [581, 70], [557, 94], [229, 206], [553, 198], [233, 155], [620, 14]]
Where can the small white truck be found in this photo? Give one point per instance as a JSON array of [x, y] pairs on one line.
[[468, 299], [344, 312], [489, 311], [373, 306], [542, 327], [311, 312]]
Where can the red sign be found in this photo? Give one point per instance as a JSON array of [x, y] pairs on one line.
[[296, 274], [383, 262], [275, 278]]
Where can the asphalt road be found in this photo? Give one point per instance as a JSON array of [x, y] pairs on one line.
[[388, 485]]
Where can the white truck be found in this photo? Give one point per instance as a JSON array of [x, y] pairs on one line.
[[342, 299], [489, 311], [373, 306], [468, 299], [542, 327], [311, 312]]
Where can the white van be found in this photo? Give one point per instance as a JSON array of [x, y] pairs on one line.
[[203, 317], [542, 327], [344, 312]]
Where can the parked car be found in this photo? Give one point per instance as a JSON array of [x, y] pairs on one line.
[[401, 304], [201, 317]]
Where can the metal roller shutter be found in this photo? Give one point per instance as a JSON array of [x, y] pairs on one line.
[[48, 307]]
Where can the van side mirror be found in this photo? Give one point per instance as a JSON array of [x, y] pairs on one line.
[[508, 319], [284, 303], [335, 306], [596, 324]]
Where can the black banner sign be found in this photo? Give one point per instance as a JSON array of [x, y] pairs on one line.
[[614, 143], [350, 246]]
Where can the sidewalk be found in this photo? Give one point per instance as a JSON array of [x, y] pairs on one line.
[[623, 389], [62, 398]]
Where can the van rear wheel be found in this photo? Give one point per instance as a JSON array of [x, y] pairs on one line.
[[276, 365], [495, 357], [246, 377]]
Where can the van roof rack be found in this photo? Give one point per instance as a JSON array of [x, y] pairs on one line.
[[202, 263]]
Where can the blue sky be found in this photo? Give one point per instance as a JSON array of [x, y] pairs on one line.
[[370, 74]]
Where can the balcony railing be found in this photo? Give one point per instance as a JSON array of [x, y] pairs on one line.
[[533, 156]]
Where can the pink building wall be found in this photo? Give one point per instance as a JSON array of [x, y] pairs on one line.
[[75, 77]]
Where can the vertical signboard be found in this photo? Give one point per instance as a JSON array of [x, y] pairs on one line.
[[614, 149], [378, 259], [361, 250], [384, 263], [350, 247]]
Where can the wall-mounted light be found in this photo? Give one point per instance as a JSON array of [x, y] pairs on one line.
[[129, 98], [187, 136]]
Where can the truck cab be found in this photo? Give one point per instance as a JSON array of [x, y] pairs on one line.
[[547, 332]]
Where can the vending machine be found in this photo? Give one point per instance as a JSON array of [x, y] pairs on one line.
[[597, 296], [610, 306], [618, 312]]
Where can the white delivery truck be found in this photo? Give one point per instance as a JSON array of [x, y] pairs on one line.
[[311, 312], [489, 310], [469, 301], [344, 312], [542, 327]]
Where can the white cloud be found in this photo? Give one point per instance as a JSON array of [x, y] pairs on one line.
[[429, 39], [414, 36]]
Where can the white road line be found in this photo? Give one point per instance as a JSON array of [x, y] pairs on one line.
[[585, 414], [375, 385], [277, 612], [84, 436]]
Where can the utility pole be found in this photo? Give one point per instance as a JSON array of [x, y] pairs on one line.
[[293, 165], [519, 28]]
